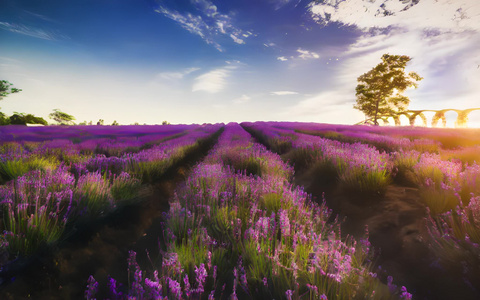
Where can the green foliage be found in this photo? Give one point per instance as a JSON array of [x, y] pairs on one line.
[[165, 123], [93, 192], [28, 229], [11, 169], [439, 200], [24, 119], [280, 145], [4, 119], [271, 202], [125, 187], [403, 164], [61, 117], [6, 89], [17, 118], [301, 158], [360, 182], [380, 90]]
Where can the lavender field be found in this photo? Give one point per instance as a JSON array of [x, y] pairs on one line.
[[264, 210]]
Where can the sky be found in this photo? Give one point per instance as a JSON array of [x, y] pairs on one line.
[[209, 61]]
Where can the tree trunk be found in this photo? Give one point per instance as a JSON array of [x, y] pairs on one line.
[[375, 122]]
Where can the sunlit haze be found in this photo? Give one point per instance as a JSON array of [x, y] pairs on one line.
[[198, 61]]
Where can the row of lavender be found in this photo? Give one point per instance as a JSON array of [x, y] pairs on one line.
[[38, 204], [239, 229], [450, 189], [39, 148], [21, 134], [357, 167], [463, 144]]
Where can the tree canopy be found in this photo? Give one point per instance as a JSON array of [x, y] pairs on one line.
[[6, 89], [380, 91], [61, 118], [24, 119]]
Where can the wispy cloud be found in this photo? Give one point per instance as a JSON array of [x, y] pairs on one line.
[[211, 82], [242, 99], [305, 54], [176, 75], [300, 54], [208, 24], [32, 31], [277, 4], [30, 14], [216, 80], [283, 93]]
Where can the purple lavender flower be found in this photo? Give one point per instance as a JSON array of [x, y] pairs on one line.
[[112, 286], [405, 294], [201, 276], [174, 288], [186, 283], [289, 294], [92, 288]]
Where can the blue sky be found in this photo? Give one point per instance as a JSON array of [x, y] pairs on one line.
[[196, 61]]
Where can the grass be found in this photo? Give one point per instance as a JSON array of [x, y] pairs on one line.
[[371, 184], [36, 207], [124, 188], [93, 194]]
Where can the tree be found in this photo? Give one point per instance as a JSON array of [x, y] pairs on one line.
[[380, 90], [61, 118], [6, 89], [24, 119], [4, 120], [115, 123], [165, 123]]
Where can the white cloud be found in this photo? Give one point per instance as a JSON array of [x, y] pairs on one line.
[[176, 75], [242, 99], [212, 82], [283, 93], [208, 24], [216, 80], [236, 39], [282, 58], [32, 31], [305, 54], [444, 15], [442, 37]]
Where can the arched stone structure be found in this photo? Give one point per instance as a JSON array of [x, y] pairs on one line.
[[462, 117], [439, 115], [413, 114]]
